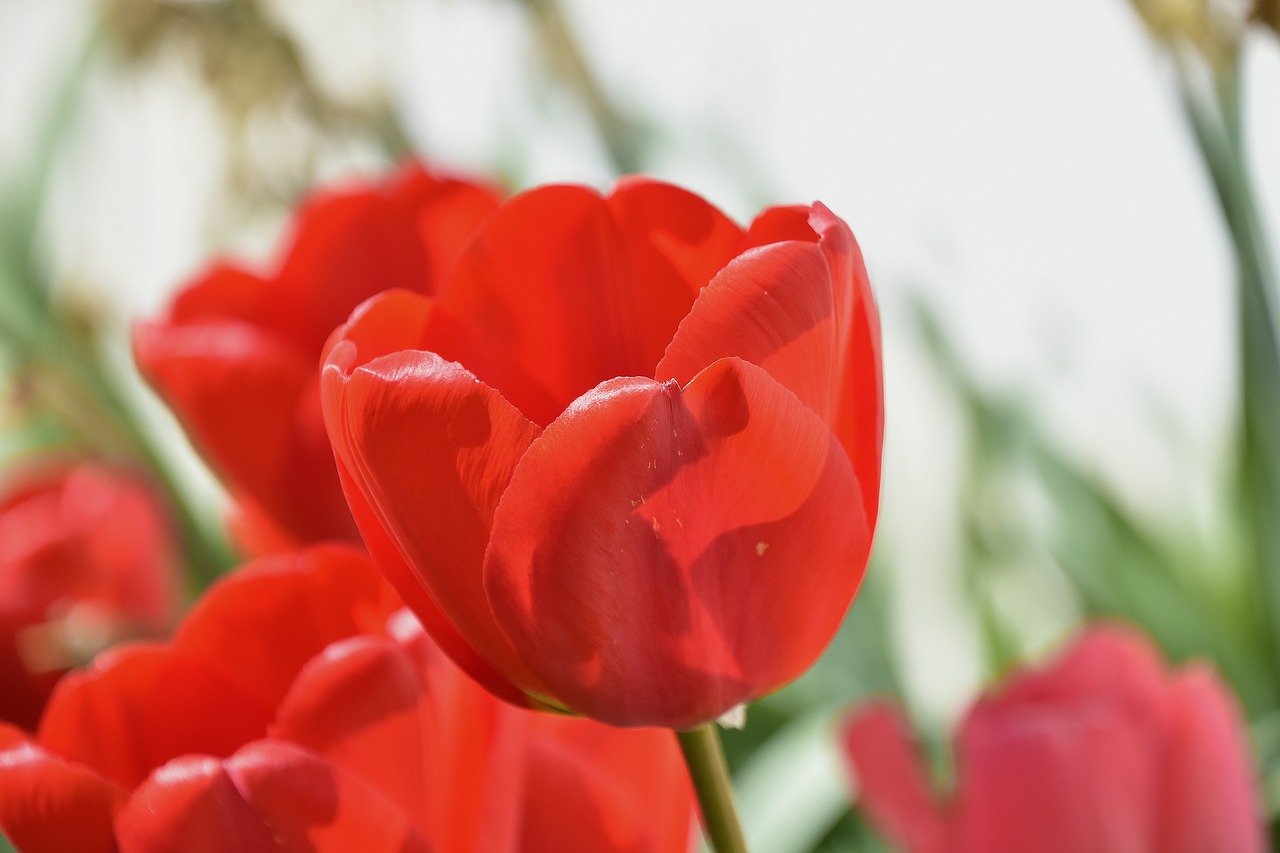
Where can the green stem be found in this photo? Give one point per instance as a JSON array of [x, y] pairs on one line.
[[704, 757]]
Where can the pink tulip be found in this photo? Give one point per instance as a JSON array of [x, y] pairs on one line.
[[1103, 751]]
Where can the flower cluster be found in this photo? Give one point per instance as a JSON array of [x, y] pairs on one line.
[[527, 484], [619, 456], [297, 708]]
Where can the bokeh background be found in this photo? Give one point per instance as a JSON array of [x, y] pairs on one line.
[[1056, 250]]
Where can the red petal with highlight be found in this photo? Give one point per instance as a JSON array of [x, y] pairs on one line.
[[257, 627], [661, 556], [140, 706], [270, 796], [800, 306], [429, 449], [48, 805], [362, 706]]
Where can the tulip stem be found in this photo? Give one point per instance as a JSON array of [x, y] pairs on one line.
[[704, 756]]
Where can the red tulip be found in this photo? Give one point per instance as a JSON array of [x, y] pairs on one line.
[[249, 733], [644, 551], [236, 355], [1102, 750], [87, 557]]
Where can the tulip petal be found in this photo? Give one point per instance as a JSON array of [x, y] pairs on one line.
[[140, 706], [402, 576], [429, 450], [562, 289], [48, 805], [802, 309], [361, 705], [351, 245], [1209, 801], [229, 292], [479, 749], [192, 805], [607, 789], [663, 555], [270, 796], [772, 306], [671, 233], [1046, 777], [249, 401], [257, 627], [1109, 665], [892, 788]]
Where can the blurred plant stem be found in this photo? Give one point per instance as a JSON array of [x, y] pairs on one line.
[[1215, 118], [57, 355], [709, 772], [565, 60]]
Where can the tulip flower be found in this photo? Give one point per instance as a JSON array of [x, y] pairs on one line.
[[1102, 750], [87, 557], [235, 356], [626, 462], [290, 712]]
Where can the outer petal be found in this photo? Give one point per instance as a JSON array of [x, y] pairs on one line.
[[348, 246], [228, 292], [269, 797], [138, 707], [1070, 774], [236, 355], [661, 556], [1107, 665], [892, 788], [361, 705], [801, 308], [672, 234], [479, 750], [562, 289], [774, 307], [859, 417], [429, 449], [402, 576], [1210, 800], [48, 805], [249, 401], [257, 627], [606, 789]]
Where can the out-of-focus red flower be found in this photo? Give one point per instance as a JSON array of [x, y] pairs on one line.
[[87, 558], [236, 355], [1102, 750], [644, 551], [287, 715]]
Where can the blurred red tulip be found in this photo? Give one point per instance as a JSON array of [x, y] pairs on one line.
[[1102, 750], [87, 558], [287, 715], [641, 551], [236, 355]]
